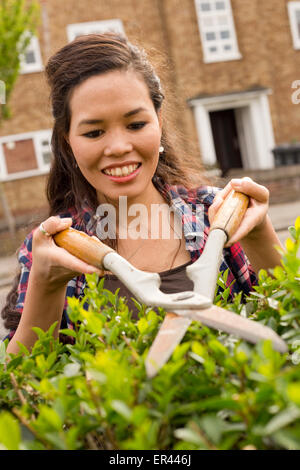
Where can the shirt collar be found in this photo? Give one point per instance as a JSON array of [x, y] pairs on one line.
[[192, 215]]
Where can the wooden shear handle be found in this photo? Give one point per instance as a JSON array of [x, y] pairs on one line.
[[83, 246], [231, 213]]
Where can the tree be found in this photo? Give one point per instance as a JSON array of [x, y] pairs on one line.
[[18, 22]]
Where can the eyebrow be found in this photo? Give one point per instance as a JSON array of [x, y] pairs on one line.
[[98, 121]]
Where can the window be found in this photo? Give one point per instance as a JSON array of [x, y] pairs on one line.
[[294, 16], [217, 30], [43, 149], [79, 29], [31, 60], [25, 155]]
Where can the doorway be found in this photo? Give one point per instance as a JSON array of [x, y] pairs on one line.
[[226, 140]]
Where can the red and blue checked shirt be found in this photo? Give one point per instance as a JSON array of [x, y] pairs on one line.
[[192, 206]]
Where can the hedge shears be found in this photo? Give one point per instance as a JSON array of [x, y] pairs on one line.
[[182, 307]]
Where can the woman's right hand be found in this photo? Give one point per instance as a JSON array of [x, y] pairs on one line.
[[52, 265]]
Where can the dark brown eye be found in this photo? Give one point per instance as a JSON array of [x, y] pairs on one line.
[[137, 125], [93, 134]]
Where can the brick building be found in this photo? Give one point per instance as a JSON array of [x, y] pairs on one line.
[[231, 68]]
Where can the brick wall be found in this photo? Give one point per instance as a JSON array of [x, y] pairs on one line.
[[168, 30], [282, 182], [268, 59], [25, 197]]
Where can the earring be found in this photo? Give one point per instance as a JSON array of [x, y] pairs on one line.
[[161, 149]]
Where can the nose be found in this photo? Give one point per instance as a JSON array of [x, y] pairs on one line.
[[117, 144]]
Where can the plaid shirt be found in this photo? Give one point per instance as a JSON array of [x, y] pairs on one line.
[[192, 207]]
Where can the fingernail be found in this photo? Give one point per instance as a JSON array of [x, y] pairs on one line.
[[236, 181], [237, 185]]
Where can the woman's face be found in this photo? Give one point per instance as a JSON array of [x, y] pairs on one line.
[[115, 134]]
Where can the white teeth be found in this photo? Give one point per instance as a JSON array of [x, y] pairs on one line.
[[121, 171]]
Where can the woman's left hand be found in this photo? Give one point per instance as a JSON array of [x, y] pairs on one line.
[[255, 220]]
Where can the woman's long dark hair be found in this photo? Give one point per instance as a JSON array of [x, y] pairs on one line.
[[82, 58]]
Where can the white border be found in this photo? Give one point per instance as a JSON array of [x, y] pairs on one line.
[[36, 136], [292, 8]]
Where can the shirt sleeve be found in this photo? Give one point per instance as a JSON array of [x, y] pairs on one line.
[[25, 262], [74, 287], [241, 271]]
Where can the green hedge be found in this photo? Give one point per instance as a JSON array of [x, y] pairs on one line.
[[216, 392]]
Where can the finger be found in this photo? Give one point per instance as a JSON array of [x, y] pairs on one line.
[[62, 256], [88, 268], [51, 226], [254, 217], [56, 224], [247, 186], [218, 200]]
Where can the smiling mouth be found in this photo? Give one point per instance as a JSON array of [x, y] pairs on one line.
[[121, 171]]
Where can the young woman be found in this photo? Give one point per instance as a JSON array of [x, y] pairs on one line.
[[109, 140]]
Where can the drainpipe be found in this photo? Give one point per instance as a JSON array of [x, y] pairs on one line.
[[10, 220], [166, 37], [46, 30]]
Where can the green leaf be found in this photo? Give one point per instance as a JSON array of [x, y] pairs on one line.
[[297, 223], [23, 348], [49, 418], [293, 232], [71, 370], [180, 350], [10, 433], [290, 245], [39, 332], [188, 435], [142, 325], [293, 391], [287, 439], [284, 418], [68, 332], [2, 352], [121, 408]]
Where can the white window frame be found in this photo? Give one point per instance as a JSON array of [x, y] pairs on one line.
[[293, 8], [78, 29], [37, 66], [202, 17], [37, 138]]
